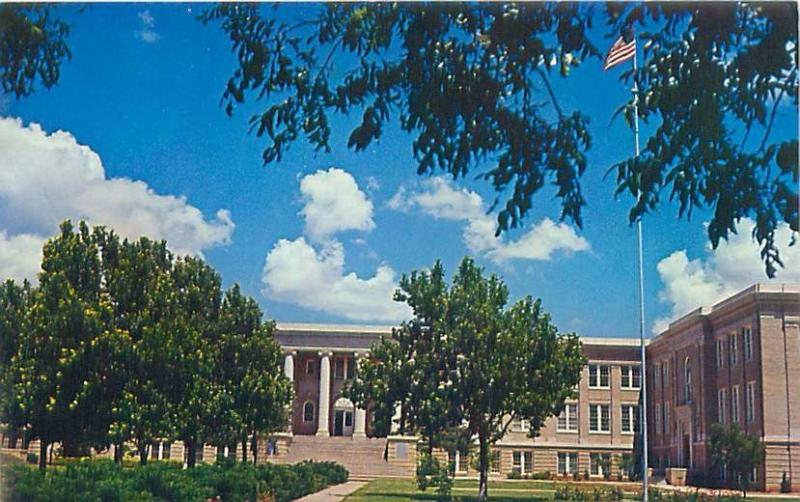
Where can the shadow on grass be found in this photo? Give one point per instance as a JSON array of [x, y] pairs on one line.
[[388, 496]]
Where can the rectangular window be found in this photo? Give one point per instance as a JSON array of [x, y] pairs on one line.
[[720, 353], [656, 374], [749, 398], [521, 424], [567, 463], [732, 347], [494, 464], [459, 460], [599, 462], [310, 365], [667, 423], [665, 374], [630, 418], [522, 462], [658, 418], [599, 418], [747, 334], [735, 404], [722, 403], [631, 377], [350, 368], [338, 368], [598, 376], [568, 419]]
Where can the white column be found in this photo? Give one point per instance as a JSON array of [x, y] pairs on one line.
[[324, 394], [360, 426], [288, 370]]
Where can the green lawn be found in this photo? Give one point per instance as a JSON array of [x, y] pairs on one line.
[[401, 490]]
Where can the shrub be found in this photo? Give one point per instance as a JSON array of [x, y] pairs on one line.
[[786, 484], [567, 492], [33, 458], [101, 480], [514, 475], [431, 473], [542, 475]]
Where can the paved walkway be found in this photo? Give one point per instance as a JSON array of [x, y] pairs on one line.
[[334, 493]]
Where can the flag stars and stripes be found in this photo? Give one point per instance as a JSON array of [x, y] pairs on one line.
[[619, 52]]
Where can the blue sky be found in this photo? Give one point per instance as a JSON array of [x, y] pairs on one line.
[[142, 93]]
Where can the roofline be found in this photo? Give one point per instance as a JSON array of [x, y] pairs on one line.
[[752, 290], [364, 329]]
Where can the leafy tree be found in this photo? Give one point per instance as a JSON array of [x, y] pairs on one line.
[[33, 44], [131, 273], [249, 367], [54, 375], [400, 369], [485, 364], [14, 303], [472, 84], [737, 452], [196, 297]]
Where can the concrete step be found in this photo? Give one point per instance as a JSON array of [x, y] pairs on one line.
[[362, 457]]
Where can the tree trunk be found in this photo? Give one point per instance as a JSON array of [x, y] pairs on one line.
[[118, 453], [142, 453], [255, 448], [191, 453], [483, 467], [42, 455], [244, 448]]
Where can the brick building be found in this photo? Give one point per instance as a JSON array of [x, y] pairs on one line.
[[735, 362]]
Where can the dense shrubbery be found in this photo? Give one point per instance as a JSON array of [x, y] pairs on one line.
[[597, 495], [102, 480]]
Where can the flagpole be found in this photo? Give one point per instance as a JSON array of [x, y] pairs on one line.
[[643, 372]]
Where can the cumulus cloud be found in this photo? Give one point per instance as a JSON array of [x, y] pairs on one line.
[[147, 32], [295, 272], [333, 202], [441, 199], [733, 266], [46, 178]]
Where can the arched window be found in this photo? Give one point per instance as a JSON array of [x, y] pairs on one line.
[[687, 381], [308, 412]]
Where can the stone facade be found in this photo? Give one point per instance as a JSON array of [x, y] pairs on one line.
[[736, 362]]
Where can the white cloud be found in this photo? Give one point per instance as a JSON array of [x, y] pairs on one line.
[[332, 203], [147, 32], [441, 199], [46, 178], [733, 266], [297, 273], [20, 256]]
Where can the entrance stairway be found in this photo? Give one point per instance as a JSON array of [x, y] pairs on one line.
[[363, 458]]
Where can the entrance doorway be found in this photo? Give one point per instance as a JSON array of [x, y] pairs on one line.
[[343, 417]]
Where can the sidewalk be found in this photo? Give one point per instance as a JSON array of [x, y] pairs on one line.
[[334, 493]]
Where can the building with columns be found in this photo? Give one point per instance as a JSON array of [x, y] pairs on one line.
[[737, 361]]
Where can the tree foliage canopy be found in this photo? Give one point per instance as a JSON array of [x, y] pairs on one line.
[[33, 44], [737, 452], [472, 84], [123, 342], [469, 364]]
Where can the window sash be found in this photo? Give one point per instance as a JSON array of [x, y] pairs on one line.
[[339, 367], [749, 404], [596, 461], [733, 349], [598, 376], [630, 418], [567, 463], [748, 344], [722, 399], [735, 404], [599, 418], [568, 419]]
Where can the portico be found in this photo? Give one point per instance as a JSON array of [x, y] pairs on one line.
[[320, 360]]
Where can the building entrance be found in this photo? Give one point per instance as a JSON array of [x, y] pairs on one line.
[[343, 417]]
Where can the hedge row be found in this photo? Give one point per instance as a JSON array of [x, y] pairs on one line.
[[104, 481]]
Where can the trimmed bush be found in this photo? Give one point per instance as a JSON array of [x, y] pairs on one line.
[[103, 480]]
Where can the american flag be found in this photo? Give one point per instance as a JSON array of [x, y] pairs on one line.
[[619, 52]]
